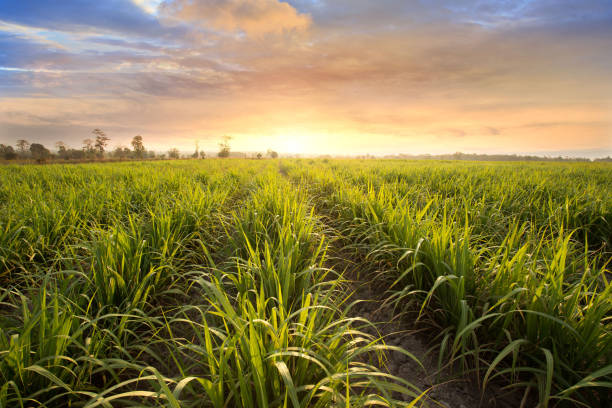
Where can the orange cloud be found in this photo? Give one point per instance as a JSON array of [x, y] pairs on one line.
[[253, 17]]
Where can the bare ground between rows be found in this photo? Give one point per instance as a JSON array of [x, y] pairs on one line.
[[445, 390]]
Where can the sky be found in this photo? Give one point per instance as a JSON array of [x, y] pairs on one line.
[[311, 76]]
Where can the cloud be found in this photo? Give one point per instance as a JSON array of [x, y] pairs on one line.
[[253, 17], [150, 6]]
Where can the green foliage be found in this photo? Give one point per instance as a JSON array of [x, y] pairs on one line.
[[206, 283], [271, 333], [39, 152], [509, 263]]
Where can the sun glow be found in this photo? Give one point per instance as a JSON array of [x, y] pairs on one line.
[[294, 143]]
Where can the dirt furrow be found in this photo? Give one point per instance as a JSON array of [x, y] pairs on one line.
[[401, 330]]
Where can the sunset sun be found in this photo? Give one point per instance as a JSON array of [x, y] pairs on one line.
[[294, 144]]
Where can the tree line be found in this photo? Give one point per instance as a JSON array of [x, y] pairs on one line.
[[92, 149], [95, 148], [487, 157]]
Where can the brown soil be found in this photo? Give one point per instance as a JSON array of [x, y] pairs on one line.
[[444, 389]]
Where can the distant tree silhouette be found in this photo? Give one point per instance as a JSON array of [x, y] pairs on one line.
[[202, 154], [196, 154], [75, 154], [101, 141], [7, 152], [138, 146], [121, 152], [224, 147], [39, 152], [62, 151], [88, 147], [23, 146], [174, 153], [272, 154]]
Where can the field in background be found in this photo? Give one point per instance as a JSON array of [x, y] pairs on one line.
[[208, 283]]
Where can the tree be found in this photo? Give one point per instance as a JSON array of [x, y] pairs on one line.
[[259, 155], [224, 147], [7, 152], [202, 154], [39, 152], [75, 154], [138, 146], [88, 147], [62, 151], [121, 152], [196, 154], [272, 154], [173, 153], [23, 146], [101, 141]]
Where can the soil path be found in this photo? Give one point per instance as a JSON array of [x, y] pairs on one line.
[[444, 389]]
